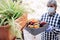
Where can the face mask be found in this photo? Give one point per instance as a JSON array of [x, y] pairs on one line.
[[51, 9]]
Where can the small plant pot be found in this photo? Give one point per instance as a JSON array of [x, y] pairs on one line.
[[5, 33]]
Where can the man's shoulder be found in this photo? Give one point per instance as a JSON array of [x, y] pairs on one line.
[[44, 14], [58, 14]]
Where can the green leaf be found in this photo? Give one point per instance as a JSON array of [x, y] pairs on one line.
[[2, 21]]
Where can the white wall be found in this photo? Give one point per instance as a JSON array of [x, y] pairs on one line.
[[38, 7]]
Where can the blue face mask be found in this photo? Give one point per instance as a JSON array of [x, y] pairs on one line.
[[51, 9]]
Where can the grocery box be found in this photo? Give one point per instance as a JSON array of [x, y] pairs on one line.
[[37, 31]]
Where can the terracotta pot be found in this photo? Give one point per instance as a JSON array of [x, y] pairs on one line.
[[5, 33], [22, 20]]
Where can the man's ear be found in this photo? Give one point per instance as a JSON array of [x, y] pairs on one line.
[[55, 7]]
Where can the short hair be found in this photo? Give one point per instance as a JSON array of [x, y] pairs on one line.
[[52, 2]]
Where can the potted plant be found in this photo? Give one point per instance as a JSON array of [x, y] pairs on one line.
[[9, 12]]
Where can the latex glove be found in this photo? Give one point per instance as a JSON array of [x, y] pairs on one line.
[[50, 28]]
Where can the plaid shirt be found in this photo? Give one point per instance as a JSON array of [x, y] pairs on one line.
[[52, 21]]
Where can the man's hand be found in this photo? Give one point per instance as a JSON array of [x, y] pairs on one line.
[[50, 28]]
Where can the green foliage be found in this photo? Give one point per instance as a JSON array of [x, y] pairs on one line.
[[9, 9], [9, 12]]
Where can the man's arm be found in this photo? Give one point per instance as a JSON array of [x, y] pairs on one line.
[[44, 15], [41, 18], [59, 23], [57, 29]]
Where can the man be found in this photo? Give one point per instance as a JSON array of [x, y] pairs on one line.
[[53, 20]]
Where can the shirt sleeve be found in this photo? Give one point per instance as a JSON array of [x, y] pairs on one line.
[[41, 18], [57, 30], [59, 23]]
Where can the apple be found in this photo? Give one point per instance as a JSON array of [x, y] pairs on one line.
[[42, 24], [36, 26], [31, 23], [30, 26]]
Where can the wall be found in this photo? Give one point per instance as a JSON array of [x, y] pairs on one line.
[[37, 8]]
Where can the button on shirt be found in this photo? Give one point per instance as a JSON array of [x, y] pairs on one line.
[[54, 21]]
